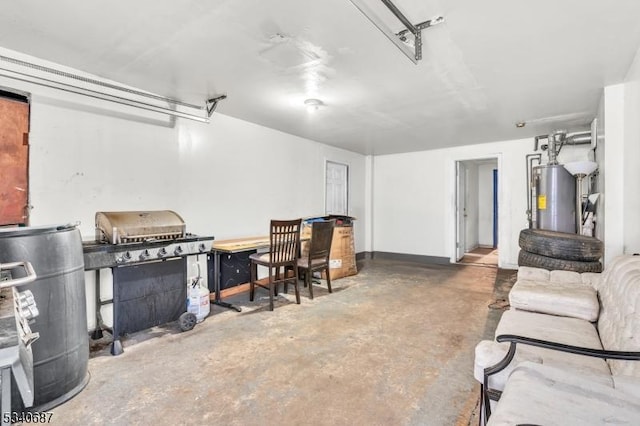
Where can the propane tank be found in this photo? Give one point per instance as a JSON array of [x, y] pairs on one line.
[[198, 298]]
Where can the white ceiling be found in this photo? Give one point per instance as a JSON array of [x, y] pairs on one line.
[[490, 64]]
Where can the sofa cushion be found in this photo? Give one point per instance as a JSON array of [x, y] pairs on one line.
[[565, 297], [569, 331], [565, 277], [539, 274], [591, 278], [565, 293], [619, 322], [543, 395], [627, 384], [531, 273]]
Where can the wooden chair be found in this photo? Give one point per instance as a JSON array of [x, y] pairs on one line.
[[284, 244], [317, 259]]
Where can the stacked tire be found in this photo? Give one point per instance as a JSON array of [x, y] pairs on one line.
[[559, 251]]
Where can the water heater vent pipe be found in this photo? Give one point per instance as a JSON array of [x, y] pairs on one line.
[[557, 139]]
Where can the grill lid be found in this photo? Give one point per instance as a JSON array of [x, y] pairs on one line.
[[137, 226]]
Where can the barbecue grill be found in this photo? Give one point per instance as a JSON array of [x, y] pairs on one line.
[[146, 252], [140, 236]]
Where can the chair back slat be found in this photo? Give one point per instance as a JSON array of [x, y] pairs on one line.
[[284, 239], [281, 261], [321, 237]]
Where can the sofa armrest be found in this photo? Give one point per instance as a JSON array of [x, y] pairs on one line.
[[515, 339]]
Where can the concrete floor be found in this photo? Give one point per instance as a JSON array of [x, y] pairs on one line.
[[481, 256], [391, 345]]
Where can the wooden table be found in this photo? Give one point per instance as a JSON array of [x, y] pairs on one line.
[[240, 244], [236, 245]]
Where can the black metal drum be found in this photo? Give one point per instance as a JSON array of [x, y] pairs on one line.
[[61, 354]]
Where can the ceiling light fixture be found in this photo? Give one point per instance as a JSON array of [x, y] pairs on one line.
[[399, 39], [520, 124], [313, 104]]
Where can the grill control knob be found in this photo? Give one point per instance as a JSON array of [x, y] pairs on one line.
[[202, 248], [126, 256], [162, 252], [144, 255], [178, 251]]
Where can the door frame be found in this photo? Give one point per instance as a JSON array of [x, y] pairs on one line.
[[456, 190], [460, 210]]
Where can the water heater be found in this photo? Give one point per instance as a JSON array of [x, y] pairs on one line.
[[555, 191]]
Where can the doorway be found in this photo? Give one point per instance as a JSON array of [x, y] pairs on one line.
[[14, 159], [336, 188], [477, 211]]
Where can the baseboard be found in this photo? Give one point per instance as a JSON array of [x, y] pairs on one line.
[[363, 255], [231, 291], [416, 258]]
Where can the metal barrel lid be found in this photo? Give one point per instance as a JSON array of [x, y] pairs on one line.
[[23, 231]]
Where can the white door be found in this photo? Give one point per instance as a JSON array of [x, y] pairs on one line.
[[337, 189], [461, 213]]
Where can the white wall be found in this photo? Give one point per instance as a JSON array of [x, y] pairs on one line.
[[617, 154], [414, 198], [368, 202], [227, 178], [600, 154], [631, 176], [613, 169]]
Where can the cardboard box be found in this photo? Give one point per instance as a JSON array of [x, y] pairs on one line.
[[342, 259]]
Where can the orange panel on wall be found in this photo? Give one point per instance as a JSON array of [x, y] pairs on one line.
[[14, 161]]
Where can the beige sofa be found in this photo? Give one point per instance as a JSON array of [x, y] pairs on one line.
[[569, 350]]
